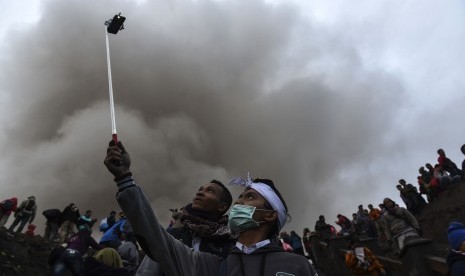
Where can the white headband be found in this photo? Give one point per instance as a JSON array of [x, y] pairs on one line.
[[268, 193]]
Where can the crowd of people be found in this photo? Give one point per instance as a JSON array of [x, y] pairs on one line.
[[393, 225], [71, 233], [203, 239]]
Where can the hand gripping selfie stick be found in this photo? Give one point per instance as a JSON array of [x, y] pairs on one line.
[[112, 26]]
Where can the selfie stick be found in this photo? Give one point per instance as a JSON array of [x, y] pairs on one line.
[[112, 26]]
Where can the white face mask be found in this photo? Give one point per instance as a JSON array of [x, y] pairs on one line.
[[240, 218]]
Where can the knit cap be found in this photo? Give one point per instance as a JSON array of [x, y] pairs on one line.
[[456, 235]]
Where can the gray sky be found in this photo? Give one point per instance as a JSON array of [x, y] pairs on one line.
[[333, 100]]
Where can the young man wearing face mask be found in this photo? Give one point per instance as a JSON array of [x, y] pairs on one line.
[[257, 216]]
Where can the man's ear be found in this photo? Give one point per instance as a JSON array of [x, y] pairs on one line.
[[271, 216], [223, 207]]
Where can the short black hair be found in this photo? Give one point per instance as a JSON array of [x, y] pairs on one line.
[[270, 183], [226, 196]]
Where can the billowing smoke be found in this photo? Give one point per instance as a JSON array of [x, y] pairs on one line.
[[203, 90]]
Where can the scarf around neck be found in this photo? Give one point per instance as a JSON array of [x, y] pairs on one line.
[[204, 225]]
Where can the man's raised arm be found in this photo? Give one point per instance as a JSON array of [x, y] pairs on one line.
[[172, 255]]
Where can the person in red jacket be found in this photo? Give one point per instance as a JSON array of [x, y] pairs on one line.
[[6, 208]]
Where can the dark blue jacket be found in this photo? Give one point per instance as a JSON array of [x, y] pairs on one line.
[[456, 263]]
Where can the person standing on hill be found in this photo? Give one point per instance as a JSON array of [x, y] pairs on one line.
[[25, 212], [447, 164], [86, 221], [322, 228], [6, 208], [69, 220], [398, 224], [296, 243], [53, 217]]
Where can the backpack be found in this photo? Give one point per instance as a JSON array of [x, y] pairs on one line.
[[29, 205], [7, 205]]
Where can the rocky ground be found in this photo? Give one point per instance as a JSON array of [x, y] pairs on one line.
[[436, 217], [21, 255]]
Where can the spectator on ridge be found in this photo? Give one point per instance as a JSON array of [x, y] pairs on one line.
[[53, 217], [6, 208], [374, 212], [447, 164], [403, 195], [69, 220], [398, 224], [345, 224], [296, 243], [26, 212], [86, 221], [443, 179], [322, 228]]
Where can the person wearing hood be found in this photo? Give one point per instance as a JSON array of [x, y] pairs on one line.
[[6, 208], [398, 223], [456, 256], [256, 217], [26, 212]]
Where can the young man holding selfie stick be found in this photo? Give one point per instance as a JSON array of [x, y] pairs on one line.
[[257, 216]]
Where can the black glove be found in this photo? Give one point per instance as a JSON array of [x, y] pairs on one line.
[[117, 160]]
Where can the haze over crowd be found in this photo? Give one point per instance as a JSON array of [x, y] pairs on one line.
[[334, 101]]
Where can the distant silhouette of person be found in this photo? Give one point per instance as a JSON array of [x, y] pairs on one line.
[[322, 228], [6, 208], [53, 217], [447, 164], [69, 220], [25, 213]]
